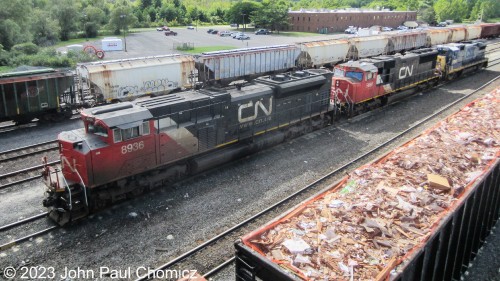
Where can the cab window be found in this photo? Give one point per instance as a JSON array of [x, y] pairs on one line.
[[338, 72], [355, 75], [97, 130], [369, 76], [130, 133]]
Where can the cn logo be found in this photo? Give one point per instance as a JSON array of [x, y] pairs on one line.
[[258, 104], [405, 71]]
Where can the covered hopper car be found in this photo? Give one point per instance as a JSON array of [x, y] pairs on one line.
[[45, 94], [127, 79]]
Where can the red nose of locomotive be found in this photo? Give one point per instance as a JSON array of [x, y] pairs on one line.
[[73, 162], [341, 91]]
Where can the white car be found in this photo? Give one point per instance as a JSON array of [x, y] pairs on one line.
[[234, 34], [224, 33], [242, 36], [190, 27], [159, 29], [386, 28]]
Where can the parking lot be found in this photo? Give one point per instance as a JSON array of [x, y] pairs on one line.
[[154, 43]]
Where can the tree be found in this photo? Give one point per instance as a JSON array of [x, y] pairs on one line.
[[45, 29], [92, 19], [272, 14], [121, 18], [14, 22], [240, 12], [455, 10], [65, 12]]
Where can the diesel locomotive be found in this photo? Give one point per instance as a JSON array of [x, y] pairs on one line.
[[130, 147]]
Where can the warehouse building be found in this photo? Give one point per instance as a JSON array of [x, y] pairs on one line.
[[328, 21]]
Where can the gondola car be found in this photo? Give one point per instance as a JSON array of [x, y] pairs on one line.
[[128, 147]]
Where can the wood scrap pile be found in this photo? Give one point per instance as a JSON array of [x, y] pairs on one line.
[[385, 209]]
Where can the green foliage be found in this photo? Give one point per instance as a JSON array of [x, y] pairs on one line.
[[455, 10], [4, 57], [240, 12], [65, 11], [45, 29], [122, 17], [26, 48], [271, 14]]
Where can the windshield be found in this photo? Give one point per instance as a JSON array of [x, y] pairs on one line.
[[98, 130], [338, 72], [356, 75]]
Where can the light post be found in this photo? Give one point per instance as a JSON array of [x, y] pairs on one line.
[[244, 29], [85, 26], [122, 17]]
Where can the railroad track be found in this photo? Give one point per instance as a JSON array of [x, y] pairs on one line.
[[19, 176], [19, 223], [228, 237], [29, 150], [12, 127]]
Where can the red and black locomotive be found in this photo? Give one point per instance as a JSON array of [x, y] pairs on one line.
[[128, 147]]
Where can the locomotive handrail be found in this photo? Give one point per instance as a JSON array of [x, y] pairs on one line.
[[69, 192], [84, 187]]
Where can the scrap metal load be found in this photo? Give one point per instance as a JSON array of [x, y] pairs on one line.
[[415, 214]]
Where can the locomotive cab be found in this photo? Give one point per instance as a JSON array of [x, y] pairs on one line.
[[352, 82]]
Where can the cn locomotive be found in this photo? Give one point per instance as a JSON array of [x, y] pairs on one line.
[[130, 147]]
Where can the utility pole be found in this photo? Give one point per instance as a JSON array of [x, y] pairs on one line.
[[122, 17]]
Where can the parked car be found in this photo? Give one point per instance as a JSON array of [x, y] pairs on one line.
[[234, 34], [165, 28], [351, 30], [210, 30], [386, 28], [214, 31], [402, 27], [242, 36], [190, 27], [262, 31], [170, 33], [224, 33], [233, 25], [159, 29], [442, 24]]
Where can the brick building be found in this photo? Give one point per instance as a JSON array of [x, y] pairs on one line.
[[328, 21]]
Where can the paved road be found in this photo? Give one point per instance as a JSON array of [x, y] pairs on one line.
[[153, 43]]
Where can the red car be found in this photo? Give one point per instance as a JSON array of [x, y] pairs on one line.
[[170, 32]]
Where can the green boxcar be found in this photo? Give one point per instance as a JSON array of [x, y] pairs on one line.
[[45, 94]]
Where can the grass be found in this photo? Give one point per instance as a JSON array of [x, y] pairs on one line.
[[4, 69], [198, 50]]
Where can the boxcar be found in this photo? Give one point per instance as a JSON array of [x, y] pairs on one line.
[[458, 34], [490, 30], [43, 93]]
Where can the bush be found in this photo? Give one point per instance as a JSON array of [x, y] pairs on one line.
[[26, 48]]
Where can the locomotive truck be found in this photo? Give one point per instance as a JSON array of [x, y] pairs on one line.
[[126, 148]]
